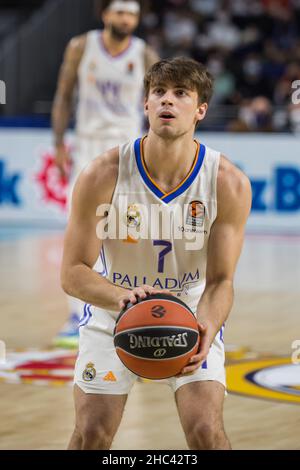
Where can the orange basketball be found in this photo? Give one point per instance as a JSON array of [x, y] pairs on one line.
[[156, 337]]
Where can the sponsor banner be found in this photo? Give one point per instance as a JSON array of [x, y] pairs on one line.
[[32, 191], [272, 162]]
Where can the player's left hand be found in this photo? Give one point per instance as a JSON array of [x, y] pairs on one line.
[[206, 339]]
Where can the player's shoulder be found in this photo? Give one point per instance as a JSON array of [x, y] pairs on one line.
[[103, 169], [76, 45], [97, 181], [138, 41], [232, 183], [139, 45]]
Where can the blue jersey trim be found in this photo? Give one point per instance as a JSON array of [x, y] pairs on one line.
[[147, 181], [87, 315], [102, 256], [183, 187]]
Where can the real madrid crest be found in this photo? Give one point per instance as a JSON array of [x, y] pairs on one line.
[[133, 216], [89, 372]]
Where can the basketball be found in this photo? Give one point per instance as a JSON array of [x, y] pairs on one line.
[[156, 337]]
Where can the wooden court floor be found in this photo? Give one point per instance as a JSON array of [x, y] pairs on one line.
[[265, 318]]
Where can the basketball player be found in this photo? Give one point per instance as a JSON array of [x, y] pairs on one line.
[[171, 169], [108, 66]]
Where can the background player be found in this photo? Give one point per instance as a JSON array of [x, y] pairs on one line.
[[167, 167], [108, 66]]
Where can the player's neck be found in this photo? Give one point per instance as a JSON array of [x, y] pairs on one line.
[[168, 162], [113, 45]]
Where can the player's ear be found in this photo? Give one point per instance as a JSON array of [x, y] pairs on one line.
[[146, 107], [201, 111]]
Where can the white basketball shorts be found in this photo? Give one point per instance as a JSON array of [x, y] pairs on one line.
[[99, 370]]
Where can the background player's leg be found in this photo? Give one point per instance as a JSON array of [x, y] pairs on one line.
[[97, 420], [200, 408]]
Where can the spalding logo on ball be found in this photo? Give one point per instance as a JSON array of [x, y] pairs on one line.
[[156, 337]]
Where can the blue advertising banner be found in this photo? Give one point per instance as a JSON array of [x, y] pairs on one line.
[[32, 191]]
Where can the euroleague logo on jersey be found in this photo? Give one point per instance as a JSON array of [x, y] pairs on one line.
[[195, 214], [195, 218], [130, 68]]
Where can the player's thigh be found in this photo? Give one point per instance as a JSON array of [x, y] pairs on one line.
[[98, 411], [200, 403]]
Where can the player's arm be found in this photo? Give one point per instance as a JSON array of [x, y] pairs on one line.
[[63, 100], [82, 244], [151, 57], [224, 248]]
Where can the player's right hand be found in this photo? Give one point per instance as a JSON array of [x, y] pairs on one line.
[[62, 159], [140, 292]]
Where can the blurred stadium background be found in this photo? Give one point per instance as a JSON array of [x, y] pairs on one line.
[[253, 50]]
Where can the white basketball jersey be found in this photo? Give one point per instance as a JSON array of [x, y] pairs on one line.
[[110, 90], [159, 238]]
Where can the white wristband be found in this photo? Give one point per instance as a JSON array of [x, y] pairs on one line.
[[128, 7]]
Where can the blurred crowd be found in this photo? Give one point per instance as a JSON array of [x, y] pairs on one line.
[[252, 48]]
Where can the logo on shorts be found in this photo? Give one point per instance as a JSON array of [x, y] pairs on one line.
[[195, 214], [89, 372], [110, 377]]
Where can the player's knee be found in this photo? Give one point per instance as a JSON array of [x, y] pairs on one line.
[[205, 436], [95, 436]]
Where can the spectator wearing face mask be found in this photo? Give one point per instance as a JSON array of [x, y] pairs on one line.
[[251, 77], [224, 82], [254, 116]]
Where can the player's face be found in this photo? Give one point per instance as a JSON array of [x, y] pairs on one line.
[[120, 23], [173, 111]]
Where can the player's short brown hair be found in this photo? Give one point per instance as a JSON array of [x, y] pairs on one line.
[[182, 72]]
